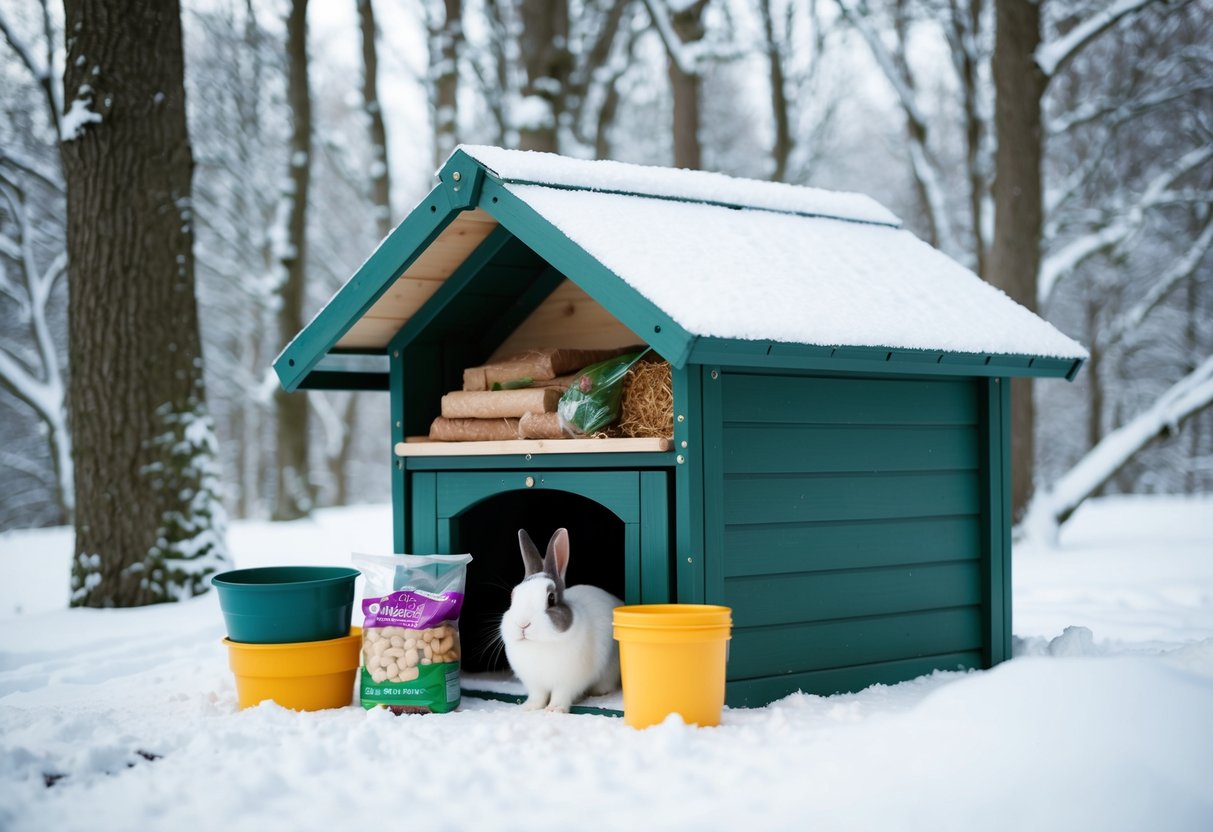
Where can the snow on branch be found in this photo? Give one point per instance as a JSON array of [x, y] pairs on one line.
[[1178, 273], [923, 163], [686, 59], [42, 72], [1052, 57], [1054, 506], [1060, 264]]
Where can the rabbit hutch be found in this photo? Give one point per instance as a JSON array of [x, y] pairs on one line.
[[836, 468]]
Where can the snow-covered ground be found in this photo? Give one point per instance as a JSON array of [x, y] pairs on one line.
[[127, 719]]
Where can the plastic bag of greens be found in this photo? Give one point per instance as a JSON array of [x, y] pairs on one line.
[[592, 400]]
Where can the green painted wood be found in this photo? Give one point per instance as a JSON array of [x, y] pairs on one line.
[[632, 310], [640, 460], [414, 234], [618, 491], [875, 360], [998, 522], [463, 177], [792, 498], [400, 493], [424, 488], [798, 648], [689, 522], [631, 562], [751, 693], [715, 492], [496, 696], [779, 548], [782, 399], [821, 596], [784, 448], [453, 288], [326, 380], [512, 316], [653, 568]]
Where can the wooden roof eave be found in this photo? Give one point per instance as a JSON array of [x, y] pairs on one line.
[[395, 254], [627, 305], [893, 360]]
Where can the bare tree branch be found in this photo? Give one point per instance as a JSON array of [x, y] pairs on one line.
[[1181, 271], [1062, 263], [1054, 56]]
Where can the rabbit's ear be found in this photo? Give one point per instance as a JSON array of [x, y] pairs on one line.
[[557, 560], [531, 561]]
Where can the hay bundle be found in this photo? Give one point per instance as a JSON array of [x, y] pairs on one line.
[[647, 407]]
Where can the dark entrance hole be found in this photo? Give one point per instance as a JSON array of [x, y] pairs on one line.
[[489, 530]]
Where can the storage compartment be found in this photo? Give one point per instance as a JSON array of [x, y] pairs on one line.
[[618, 521], [489, 530]]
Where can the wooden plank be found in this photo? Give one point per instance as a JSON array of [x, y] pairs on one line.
[[370, 333], [776, 548], [752, 693], [631, 308], [422, 446], [567, 318], [790, 498], [798, 648], [653, 564], [843, 448], [617, 491], [635, 460], [821, 596], [782, 399], [689, 516], [423, 225]]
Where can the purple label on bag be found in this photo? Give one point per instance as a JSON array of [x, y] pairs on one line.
[[412, 608]]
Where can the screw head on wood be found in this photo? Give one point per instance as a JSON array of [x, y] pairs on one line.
[[530, 482], [456, 176]]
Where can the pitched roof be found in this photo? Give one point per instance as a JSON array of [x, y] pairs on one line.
[[737, 258], [690, 260]]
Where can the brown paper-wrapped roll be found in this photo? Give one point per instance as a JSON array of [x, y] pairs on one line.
[[538, 365], [473, 430], [495, 404], [540, 426]]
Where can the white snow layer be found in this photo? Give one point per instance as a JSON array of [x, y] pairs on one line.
[[134, 711], [530, 166], [763, 275]]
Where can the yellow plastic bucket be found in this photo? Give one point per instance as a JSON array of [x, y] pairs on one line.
[[672, 657], [302, 675]]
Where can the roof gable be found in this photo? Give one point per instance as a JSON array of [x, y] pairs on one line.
[[699, 258]]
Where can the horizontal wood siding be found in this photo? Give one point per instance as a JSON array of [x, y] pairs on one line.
[[850, 521]]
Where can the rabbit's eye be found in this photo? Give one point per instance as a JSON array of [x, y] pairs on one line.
[[551, 599]]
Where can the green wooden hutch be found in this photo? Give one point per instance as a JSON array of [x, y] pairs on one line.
[[839, 469]]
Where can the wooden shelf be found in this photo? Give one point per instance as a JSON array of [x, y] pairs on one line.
[[422, 446]]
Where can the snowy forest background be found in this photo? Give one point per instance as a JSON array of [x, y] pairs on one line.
[[894, 98]]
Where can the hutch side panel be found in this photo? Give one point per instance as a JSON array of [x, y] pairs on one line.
[[845, 528]]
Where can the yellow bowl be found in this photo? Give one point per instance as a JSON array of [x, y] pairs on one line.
[[303, 675]]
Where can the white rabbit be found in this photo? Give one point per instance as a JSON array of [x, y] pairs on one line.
[[559, 640]]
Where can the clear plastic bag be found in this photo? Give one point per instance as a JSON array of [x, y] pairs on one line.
[[410, 631], [592, 400]]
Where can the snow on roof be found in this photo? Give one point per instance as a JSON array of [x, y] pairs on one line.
[[762, 275], [527, 166]]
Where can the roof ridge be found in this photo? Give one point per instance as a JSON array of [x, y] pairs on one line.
[[526, 167]]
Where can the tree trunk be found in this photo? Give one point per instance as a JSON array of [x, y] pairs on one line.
[[545, 52], [381, 187], [684, 88], [781, 146], [1015, 254], [149, 525], [446, 41], [295, 493]]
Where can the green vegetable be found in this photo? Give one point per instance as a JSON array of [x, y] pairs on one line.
[[513, 384], [592, 400]]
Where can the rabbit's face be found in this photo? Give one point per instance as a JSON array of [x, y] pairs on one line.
[[537, 611]]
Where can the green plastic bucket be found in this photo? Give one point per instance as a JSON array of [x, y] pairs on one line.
[[281, 604]]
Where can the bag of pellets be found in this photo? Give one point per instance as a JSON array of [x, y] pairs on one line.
[[410, 631]]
